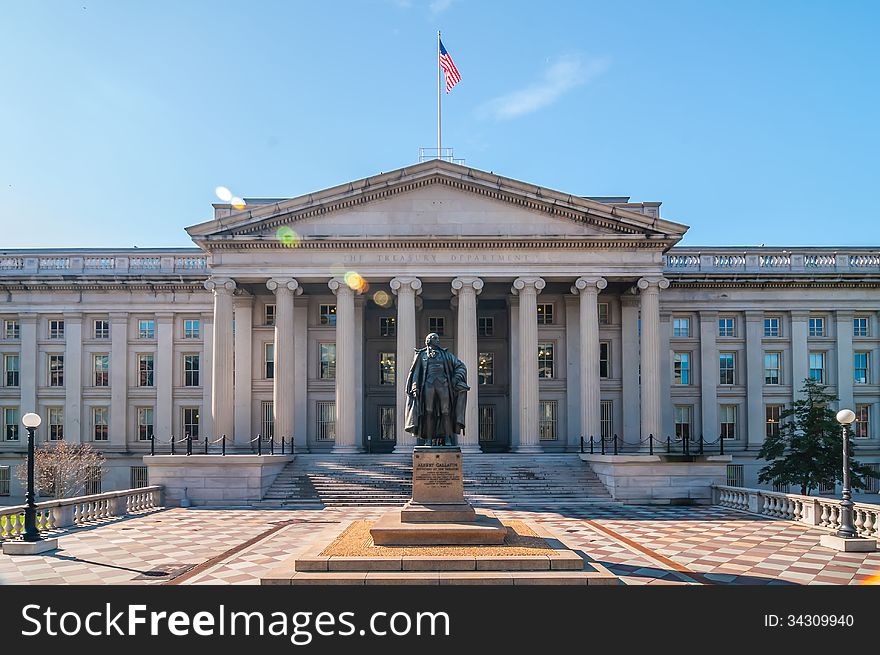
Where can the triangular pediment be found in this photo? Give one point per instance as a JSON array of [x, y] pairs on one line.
[[436, 200]]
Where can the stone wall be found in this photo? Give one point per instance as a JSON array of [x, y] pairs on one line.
[[215, 480]]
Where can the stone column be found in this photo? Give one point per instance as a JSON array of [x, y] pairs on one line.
[[206, 421], [346, 411], [28, 366], [283, 401], [243, 309], [800, 352], [629, 362], [162, 376], [588, 288], [73, 375], [467, 289], [528, 288], [845, 359], [406, 289], [652, 412], [222, 398], [118, 378], [300, 359], [755, 378], [709, 376]]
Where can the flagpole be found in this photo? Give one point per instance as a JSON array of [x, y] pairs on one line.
[[439, 76]]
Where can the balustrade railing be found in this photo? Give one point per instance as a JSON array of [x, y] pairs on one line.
[[820, 512], [98, 263], [81, 510], [767, 261]]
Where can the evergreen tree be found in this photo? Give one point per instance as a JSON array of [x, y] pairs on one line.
[[808, 449]]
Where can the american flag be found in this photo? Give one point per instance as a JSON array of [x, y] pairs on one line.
[[453, 77]]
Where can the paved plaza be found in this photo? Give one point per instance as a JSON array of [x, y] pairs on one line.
[[642, 545]]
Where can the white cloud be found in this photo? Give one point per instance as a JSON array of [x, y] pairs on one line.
[[439, 6], [560, 77]]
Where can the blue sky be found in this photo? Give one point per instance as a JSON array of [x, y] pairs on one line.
[[753, 122]]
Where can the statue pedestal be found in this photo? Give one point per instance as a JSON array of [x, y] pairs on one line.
[[438, 513]]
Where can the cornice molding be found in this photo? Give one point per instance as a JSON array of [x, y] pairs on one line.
[[441, 244]]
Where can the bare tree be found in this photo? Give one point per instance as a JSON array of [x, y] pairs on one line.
[[63, 469]]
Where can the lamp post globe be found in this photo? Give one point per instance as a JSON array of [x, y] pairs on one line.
[[31, 421], [847, 531]]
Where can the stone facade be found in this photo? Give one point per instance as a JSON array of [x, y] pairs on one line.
[[298, 317]]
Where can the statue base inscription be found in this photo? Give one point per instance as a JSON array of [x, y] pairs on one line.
[[438, 513]]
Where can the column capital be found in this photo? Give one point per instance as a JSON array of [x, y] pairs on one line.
[[405, 284], [277, 284], [338, 286], [527, 284], [467, 283], [589, 284], [652, 284], [220, 285]]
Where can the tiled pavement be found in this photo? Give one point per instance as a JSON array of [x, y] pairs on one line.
[[643, 545]]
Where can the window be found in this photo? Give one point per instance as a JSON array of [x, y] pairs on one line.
[[11, 329], [190, 370], [606, 419], [771, 420], [145, 370], [728, 421], [683, 414], [387, 368], [735, 475], [138, 477], [10, 423], [146, 328], [56, 423], [781, 488], [190, 421], [604, 314], [267, 419], [437, 324], [817, 367], [327, 361], [545, 360], [5, 480], [860, 368], [269, 361], [772, 368], [269, 314], [56, 370], [545, 314], [100, 423], [862, 426], [604, 359], [547, 420], [726, 368], [726, 327], [681, 368], [11, 368], [387, 423], [56, 329], [102, 329], [485, 326], [487, 423], [771, 326], [93, 480], [327, 314], [191, 328], [486, 368], [817, 327], [860, 326], [873, 484], [387, 326], [101, 365], [326, 415], [145, 423], [681, 327]]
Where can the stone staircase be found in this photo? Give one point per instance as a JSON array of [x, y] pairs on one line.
[[491, 480]]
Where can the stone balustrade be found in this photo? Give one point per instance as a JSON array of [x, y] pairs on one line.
[[682, 261], [98, 263], [812, 510], [66, 512]]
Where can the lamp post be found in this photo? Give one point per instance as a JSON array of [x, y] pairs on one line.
[[845, 417], [30, 421]]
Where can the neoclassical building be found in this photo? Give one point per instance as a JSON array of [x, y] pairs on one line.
[[297, 319]]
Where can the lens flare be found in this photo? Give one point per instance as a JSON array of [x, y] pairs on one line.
[[874, 579], [287, 236], [223, 193], [381, 298], [355, 281], [238, 203]]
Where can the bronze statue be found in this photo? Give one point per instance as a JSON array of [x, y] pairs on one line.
[[437, 394]]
